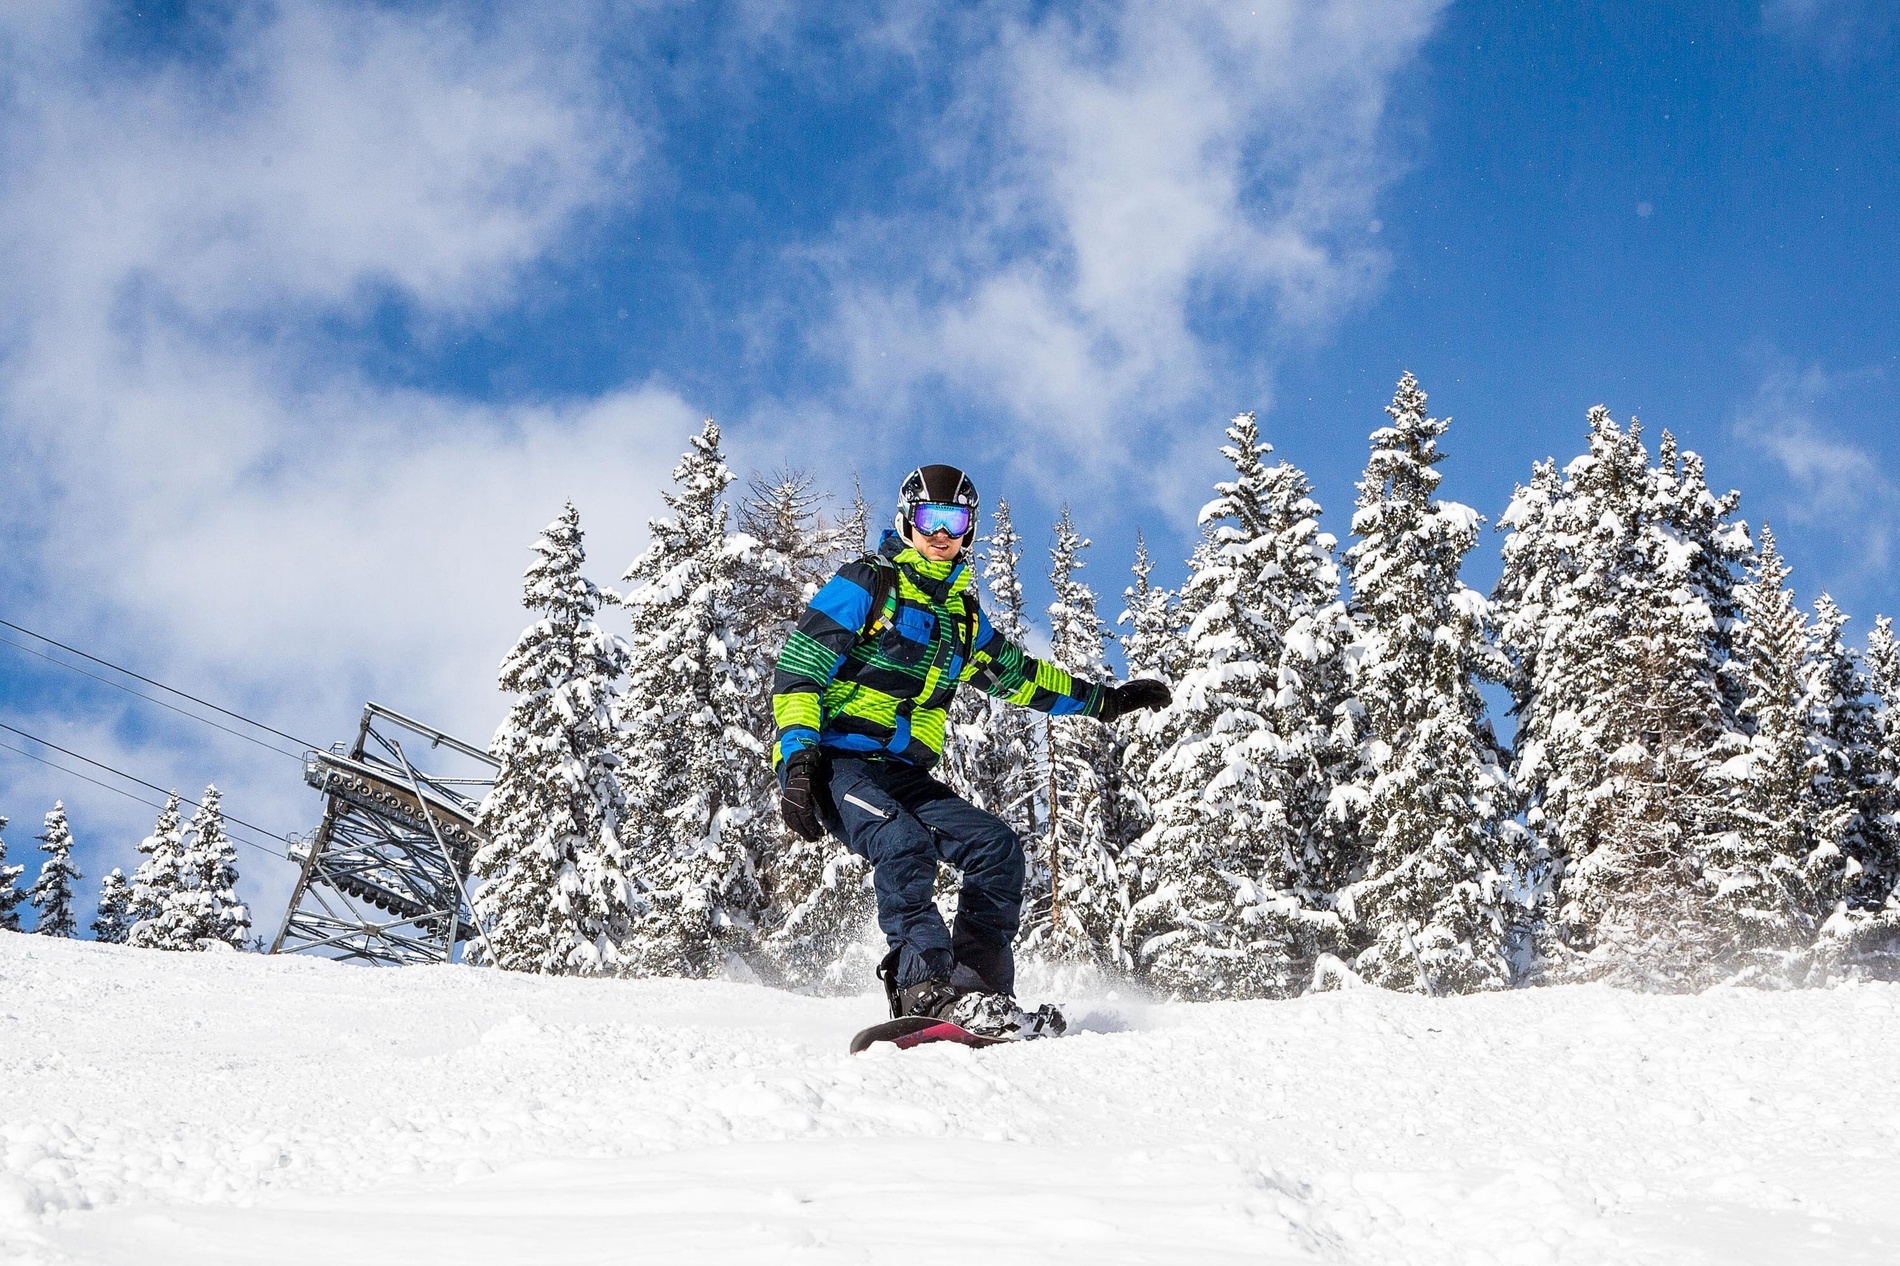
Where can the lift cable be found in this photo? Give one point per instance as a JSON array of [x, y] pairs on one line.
[[139, 694], [302, 744], [120, 791], [152, 786]]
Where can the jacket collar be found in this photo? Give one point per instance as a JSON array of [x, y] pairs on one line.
[[937, 580]]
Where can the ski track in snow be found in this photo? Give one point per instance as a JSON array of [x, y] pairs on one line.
[[231, 1108]]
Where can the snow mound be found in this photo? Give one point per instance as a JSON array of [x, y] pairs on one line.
[[229, 1108]]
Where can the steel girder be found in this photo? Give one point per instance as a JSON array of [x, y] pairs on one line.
[[383, 879]]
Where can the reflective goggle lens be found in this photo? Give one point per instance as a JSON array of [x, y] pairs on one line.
[[935, 516]]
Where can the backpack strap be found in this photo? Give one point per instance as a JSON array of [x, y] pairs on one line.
[[883, 594]]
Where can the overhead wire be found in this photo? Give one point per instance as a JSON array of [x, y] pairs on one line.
[[137, 694], [153, 804], [133, 778], [303, 744]]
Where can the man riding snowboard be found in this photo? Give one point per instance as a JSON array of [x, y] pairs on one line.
[[860, 696]]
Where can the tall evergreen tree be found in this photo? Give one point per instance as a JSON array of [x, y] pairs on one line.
[[52, 892], [1431, 911], [1218, 909], [1078, 898], [114, 917], [10, 893], [555, 894], [1617, 607], [164, 897], [212, 858], [703, 811]]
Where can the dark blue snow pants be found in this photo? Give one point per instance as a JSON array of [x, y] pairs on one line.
[[904, 822]]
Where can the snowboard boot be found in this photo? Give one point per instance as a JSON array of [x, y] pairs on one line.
[[997, 1015], [932, 997]]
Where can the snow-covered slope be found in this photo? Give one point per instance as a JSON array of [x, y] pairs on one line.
[[208, 1109]]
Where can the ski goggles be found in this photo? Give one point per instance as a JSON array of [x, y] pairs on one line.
[[930, 517]]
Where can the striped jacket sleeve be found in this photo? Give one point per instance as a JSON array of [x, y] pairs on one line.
[[1001, 668], [812, 655]]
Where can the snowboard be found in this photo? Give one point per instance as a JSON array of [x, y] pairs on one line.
[[917, 1030]]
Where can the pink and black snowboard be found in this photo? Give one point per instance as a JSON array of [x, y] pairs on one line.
[[916, 1030]]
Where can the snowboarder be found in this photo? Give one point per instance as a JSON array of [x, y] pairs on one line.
[[859, 698]]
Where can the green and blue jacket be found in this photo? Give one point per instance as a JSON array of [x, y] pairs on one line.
[[851, 680]]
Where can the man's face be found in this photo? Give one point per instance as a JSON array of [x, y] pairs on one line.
[[938, 547]]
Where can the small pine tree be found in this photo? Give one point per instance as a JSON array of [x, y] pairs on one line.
[[114, 918], [212, 859], [555, 895], [1431, 911], [703, 809], [10, 894], [52, 892], [163, 899], [1078, 898]]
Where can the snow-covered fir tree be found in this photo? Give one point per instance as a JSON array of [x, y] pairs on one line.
[[1867, 937], [165, 909], [1845, 718], [1078, 896], [1152, 648], [1780, 871], [1221, 905], [555, 892], [702, 812], [817, 899], [1432, 911], [1882, 675], [11, 894], [212, 859], [113, 920], [52, 892], [1617, 607]]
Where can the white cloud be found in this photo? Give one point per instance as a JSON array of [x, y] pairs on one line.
[[201, 482], [191, 428], [1831, 481], [1128, 170]]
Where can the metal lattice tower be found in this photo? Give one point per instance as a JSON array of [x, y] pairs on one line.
[[384, 877]]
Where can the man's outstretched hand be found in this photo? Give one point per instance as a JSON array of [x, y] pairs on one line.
[[797, 797], [1144, 693]]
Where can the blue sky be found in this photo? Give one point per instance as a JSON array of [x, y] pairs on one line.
[[316, 312]]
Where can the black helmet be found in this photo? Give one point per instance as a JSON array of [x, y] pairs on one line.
[[939, 485]]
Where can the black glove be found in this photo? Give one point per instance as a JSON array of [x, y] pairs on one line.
[[798, 793], [1119, 701]]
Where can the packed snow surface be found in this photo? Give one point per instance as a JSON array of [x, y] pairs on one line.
[[213, 1108]]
